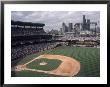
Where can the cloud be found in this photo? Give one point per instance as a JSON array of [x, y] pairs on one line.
[[54, 19]]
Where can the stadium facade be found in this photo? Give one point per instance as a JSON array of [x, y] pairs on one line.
[[28, 38]]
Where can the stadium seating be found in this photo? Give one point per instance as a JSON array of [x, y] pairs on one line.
[[23, 51]]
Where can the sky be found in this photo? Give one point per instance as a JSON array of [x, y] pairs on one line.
[[54, 19]]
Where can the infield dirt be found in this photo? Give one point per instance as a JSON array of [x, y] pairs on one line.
[[68, 67]]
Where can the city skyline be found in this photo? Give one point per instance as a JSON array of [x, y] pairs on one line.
[[54, 19]]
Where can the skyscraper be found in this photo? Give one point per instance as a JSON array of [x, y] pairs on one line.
[[88, 24], [70, 27], [65, 28], [84, 23]]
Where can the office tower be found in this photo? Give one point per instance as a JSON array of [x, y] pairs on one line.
[[65, 28], [88, 24], [84, 23], [70, 27]]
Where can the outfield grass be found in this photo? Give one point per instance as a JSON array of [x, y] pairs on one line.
[[89, 59]]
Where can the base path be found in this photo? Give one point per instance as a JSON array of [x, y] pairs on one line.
[[68, 67]]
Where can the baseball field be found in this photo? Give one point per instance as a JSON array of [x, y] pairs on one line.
[[89, 59]]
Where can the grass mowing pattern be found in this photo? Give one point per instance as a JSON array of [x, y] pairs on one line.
[[89, 59], [51, 64]]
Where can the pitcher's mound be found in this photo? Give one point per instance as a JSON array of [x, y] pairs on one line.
[[43, 63]]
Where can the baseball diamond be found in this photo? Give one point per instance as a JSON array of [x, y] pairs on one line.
[[67, 66]]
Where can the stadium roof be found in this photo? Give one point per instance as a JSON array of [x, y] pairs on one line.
[[26, 23]]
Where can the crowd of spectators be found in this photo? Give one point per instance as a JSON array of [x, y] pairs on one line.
[[80, 38], [23, 51], [83, 41]]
